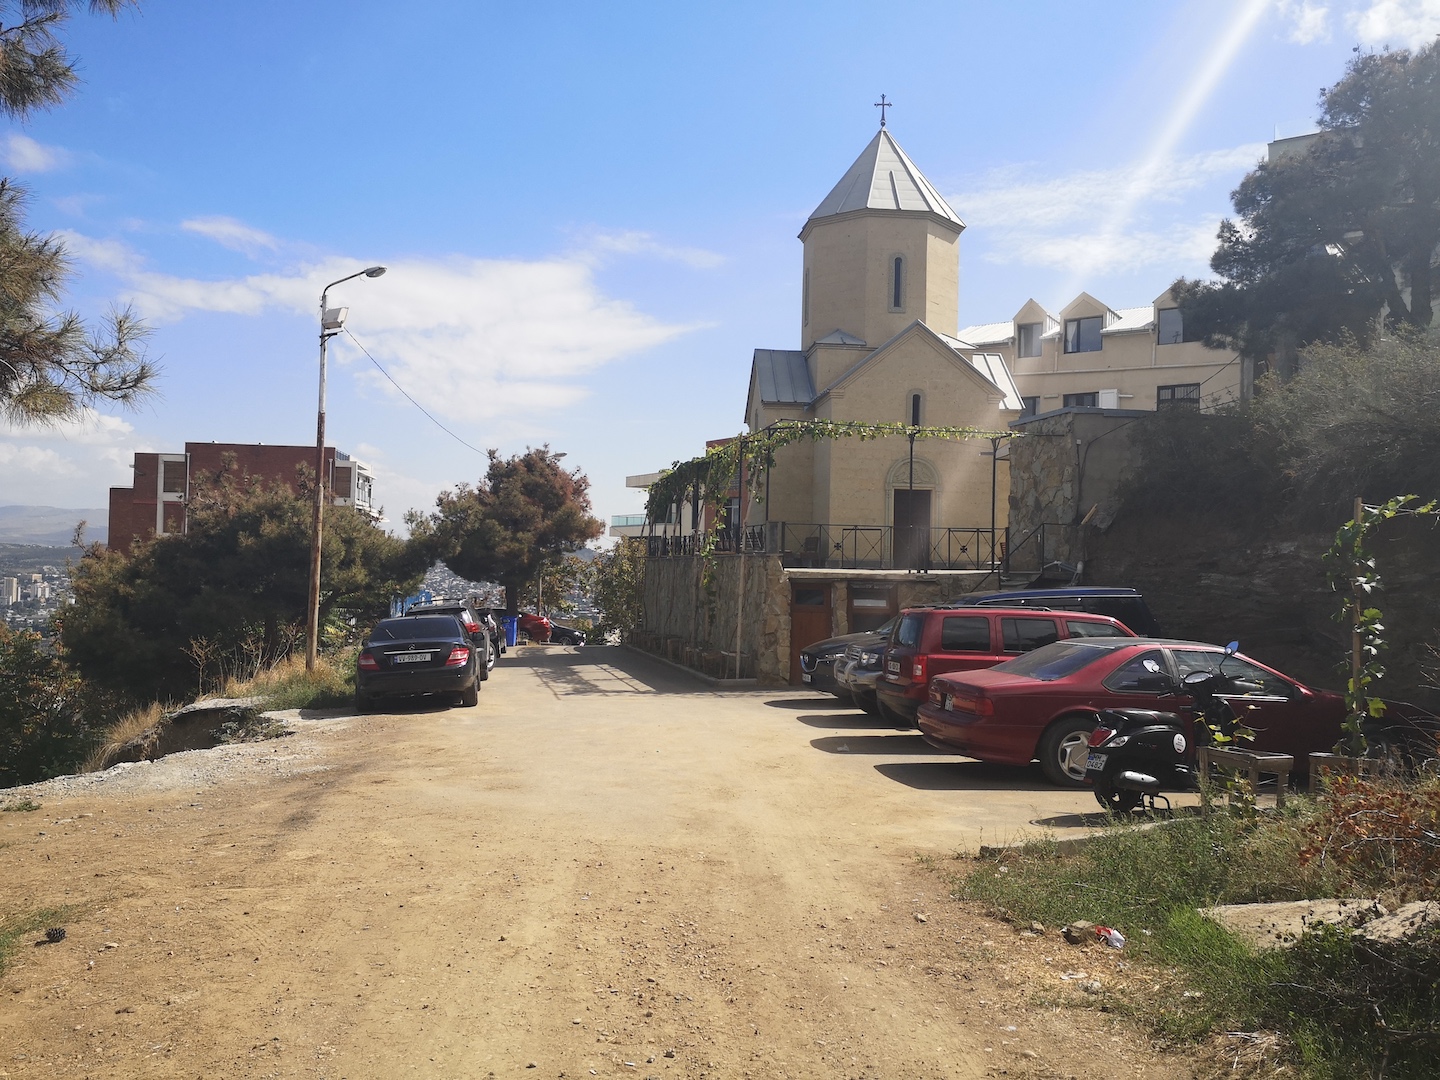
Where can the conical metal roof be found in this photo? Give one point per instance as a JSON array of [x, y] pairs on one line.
[[884, 178]]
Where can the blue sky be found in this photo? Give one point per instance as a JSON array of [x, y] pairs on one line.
[[589, 211]]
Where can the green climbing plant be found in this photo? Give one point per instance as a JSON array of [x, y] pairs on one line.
[[1352, 572]]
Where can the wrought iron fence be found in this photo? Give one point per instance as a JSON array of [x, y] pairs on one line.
[[1047, 544]]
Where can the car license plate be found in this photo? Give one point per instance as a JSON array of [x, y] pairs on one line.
[[410, 658], [806, 677], [1095, 763], [949, 703], [894, 666]]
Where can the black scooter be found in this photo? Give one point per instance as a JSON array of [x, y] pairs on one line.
[[1135, 754]]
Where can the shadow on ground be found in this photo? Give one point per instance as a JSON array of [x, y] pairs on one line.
[[963, 775], [874, 744], [1101, 818], [827, 702], [858, 721], [600, 669]]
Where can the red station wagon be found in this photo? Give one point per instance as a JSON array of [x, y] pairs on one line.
[[1043, 705], [931, 641]]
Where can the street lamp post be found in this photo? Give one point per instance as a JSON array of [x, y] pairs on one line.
[[332, 321]]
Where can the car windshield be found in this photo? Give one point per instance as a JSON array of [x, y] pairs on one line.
[[414, 628], [1051, 662]]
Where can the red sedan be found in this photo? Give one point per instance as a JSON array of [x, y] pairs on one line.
[[1043, 704], [536, 626]]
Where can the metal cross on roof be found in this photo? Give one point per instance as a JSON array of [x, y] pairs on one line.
[[882, 105]]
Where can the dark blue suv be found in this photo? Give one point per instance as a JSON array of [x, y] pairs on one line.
[[1126, 605]]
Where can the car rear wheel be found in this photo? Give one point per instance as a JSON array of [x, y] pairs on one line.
[[488, 664], [470, 697], [1064, 748], [364, 703]]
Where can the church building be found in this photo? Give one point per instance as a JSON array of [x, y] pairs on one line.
[[878, 343]]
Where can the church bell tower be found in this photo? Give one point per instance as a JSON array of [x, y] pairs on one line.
[[881, 251]]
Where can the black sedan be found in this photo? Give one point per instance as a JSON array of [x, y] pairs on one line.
[[428, 654]]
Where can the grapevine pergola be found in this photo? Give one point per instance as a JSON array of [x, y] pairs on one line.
[[707, 479]]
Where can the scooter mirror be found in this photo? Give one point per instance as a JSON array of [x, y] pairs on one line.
[[1195, 678], [1233, 647]]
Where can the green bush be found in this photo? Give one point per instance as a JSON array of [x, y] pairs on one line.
[[45, 716], [1338, 998]]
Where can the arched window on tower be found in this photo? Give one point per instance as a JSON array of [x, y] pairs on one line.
[[897, 283], [805, 299]]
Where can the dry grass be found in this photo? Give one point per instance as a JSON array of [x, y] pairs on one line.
[[287, 685], [131, 725]]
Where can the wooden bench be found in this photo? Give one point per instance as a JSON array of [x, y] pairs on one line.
[[1249, 764]]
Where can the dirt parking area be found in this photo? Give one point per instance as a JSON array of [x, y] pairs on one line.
[[604, 869]]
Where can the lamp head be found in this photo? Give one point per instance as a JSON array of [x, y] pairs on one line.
[[375, 271]]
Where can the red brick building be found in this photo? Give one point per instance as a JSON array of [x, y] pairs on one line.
[[155, 503]]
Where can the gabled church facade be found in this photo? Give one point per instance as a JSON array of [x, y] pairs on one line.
[[878, 343]]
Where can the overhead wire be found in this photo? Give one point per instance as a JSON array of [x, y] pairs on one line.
[[408, 398]]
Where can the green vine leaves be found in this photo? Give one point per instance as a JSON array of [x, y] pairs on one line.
[[1352, 573]]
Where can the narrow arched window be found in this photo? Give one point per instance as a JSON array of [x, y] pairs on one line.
[[897, 284], [805, 300], [914, 410]]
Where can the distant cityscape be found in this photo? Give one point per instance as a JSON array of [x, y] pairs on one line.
[[29, 598]]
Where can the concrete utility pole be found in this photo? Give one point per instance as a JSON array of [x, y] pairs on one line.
[[332, 321]]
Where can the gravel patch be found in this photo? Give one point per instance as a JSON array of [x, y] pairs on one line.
[[299, 752]]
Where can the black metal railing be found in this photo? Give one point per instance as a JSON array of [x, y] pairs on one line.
[[1046, 545]]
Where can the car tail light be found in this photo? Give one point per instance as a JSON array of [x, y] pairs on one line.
[[1100, 734], [368, 662], [458, 655], [472, 627], [917, 669], [936, 696], [972, 703]]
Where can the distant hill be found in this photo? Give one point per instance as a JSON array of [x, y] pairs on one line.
[[50, 526]]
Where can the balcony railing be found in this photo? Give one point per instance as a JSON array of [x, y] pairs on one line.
[[853, 547]]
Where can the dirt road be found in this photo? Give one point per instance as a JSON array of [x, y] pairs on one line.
[[603, 869]]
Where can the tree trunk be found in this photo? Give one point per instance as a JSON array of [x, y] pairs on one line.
[[1421, 306], [1287, 355]]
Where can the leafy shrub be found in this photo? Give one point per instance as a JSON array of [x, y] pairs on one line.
[[44, 729]]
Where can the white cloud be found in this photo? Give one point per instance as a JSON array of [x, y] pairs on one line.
[[1310, 22], [35, 463], [1408, 24], [468, 338], [231, 233], [643, 243], [87, 428], [1056, 221], [24, 155]]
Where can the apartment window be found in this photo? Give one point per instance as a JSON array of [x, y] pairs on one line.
[[1029, 406], [1179, 396], [1029, 338], [340, 482], [897, 283], [1083, 401], [1083, 335], [173, 477], [1171, 326]]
